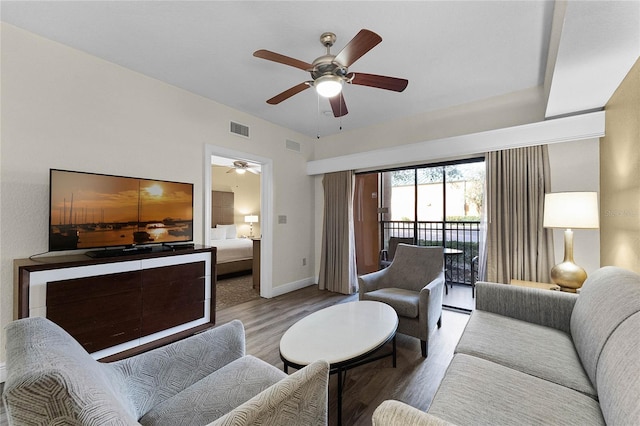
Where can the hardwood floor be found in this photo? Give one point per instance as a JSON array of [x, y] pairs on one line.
[[414, 380]]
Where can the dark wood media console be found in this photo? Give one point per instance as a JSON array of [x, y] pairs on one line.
[[116, 307]]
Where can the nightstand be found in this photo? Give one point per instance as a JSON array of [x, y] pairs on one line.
[[533, 284]]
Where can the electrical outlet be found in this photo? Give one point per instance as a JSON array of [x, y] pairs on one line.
[[304, 261]]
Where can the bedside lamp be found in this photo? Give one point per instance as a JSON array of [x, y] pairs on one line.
[[251, 219], [570, 210]]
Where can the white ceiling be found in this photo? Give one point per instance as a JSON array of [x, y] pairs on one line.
[[452, 52]]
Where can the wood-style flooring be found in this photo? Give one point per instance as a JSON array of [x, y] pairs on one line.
[[414, 380]]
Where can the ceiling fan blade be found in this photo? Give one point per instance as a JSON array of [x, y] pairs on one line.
[[282, 59], [288, 93], [378, 81], [363, 42], [338, 105]]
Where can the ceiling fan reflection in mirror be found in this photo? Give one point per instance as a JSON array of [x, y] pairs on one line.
[[241, 167], [330, 72]]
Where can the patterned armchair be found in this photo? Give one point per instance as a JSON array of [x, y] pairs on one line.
[[412, 285], [204, 379]]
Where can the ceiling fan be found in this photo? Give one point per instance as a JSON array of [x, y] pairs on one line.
[[330, 72], [241, 167]]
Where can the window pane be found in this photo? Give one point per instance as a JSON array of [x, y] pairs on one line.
[[402, 203], [465, 185], [430, 199]]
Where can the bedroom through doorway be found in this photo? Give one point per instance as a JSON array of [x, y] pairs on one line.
[[235, 229]]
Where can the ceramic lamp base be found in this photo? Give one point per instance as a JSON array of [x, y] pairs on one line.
[[568, 275]]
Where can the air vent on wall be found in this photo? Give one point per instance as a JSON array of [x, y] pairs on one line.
[[240, 129], [293, 145]]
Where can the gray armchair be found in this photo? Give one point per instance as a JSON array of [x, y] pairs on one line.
[[412, 285], [203, 379]]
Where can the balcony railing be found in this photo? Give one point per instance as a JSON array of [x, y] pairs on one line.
[[464, 236]]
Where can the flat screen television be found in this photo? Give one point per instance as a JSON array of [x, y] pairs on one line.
[[90, 210]]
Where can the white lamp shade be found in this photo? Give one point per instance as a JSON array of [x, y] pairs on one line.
[[571, 210], [251, 218], [328, 85]]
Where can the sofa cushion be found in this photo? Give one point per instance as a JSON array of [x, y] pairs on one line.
[[608, 297], [480, 392], [404, 302], [543, 352], [618, 368], [216, 394]]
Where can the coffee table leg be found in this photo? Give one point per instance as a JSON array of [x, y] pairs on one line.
[[340, 373], [394, 351]]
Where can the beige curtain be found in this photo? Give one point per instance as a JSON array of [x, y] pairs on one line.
[[517, 245], [338, 258]]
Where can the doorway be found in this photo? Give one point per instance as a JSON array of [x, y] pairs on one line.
[[248, 217]]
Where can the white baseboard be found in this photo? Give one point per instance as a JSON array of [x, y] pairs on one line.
[[3, 372], [296, 285]]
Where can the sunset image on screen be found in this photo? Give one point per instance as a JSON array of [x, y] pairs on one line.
[[91, 210]]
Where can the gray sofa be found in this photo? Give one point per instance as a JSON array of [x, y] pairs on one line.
[[204, 379], [531, 356]]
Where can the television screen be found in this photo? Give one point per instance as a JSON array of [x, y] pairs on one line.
[[89, 210]]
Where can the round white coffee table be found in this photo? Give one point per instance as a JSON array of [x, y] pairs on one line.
[[345, 335]]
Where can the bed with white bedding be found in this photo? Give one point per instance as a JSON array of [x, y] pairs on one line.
[[234, 254]]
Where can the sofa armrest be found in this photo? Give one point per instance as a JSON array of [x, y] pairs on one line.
[[299, 399], [394, 413], [534, 305], [154, 376]]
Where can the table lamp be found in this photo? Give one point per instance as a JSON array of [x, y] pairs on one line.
[[251, 219], [570, 210]]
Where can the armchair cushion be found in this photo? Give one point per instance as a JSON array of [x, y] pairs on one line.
[[154, 376], [299, 399], [215, 395], [393, 413], [404, 302]]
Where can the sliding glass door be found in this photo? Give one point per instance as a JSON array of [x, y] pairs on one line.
[[431, 205]]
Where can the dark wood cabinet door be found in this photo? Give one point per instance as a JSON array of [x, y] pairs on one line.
[[172, 295], [98, 311]]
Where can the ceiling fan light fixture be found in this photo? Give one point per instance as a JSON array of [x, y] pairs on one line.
[[328, 86]]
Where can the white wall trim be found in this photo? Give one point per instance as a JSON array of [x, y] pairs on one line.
[[292, 286], [266, 208], [579, 127]]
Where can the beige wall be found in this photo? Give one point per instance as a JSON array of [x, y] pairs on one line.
[[246, 189], [575, 167], [62, 108], [513, 109], [620, 176]]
